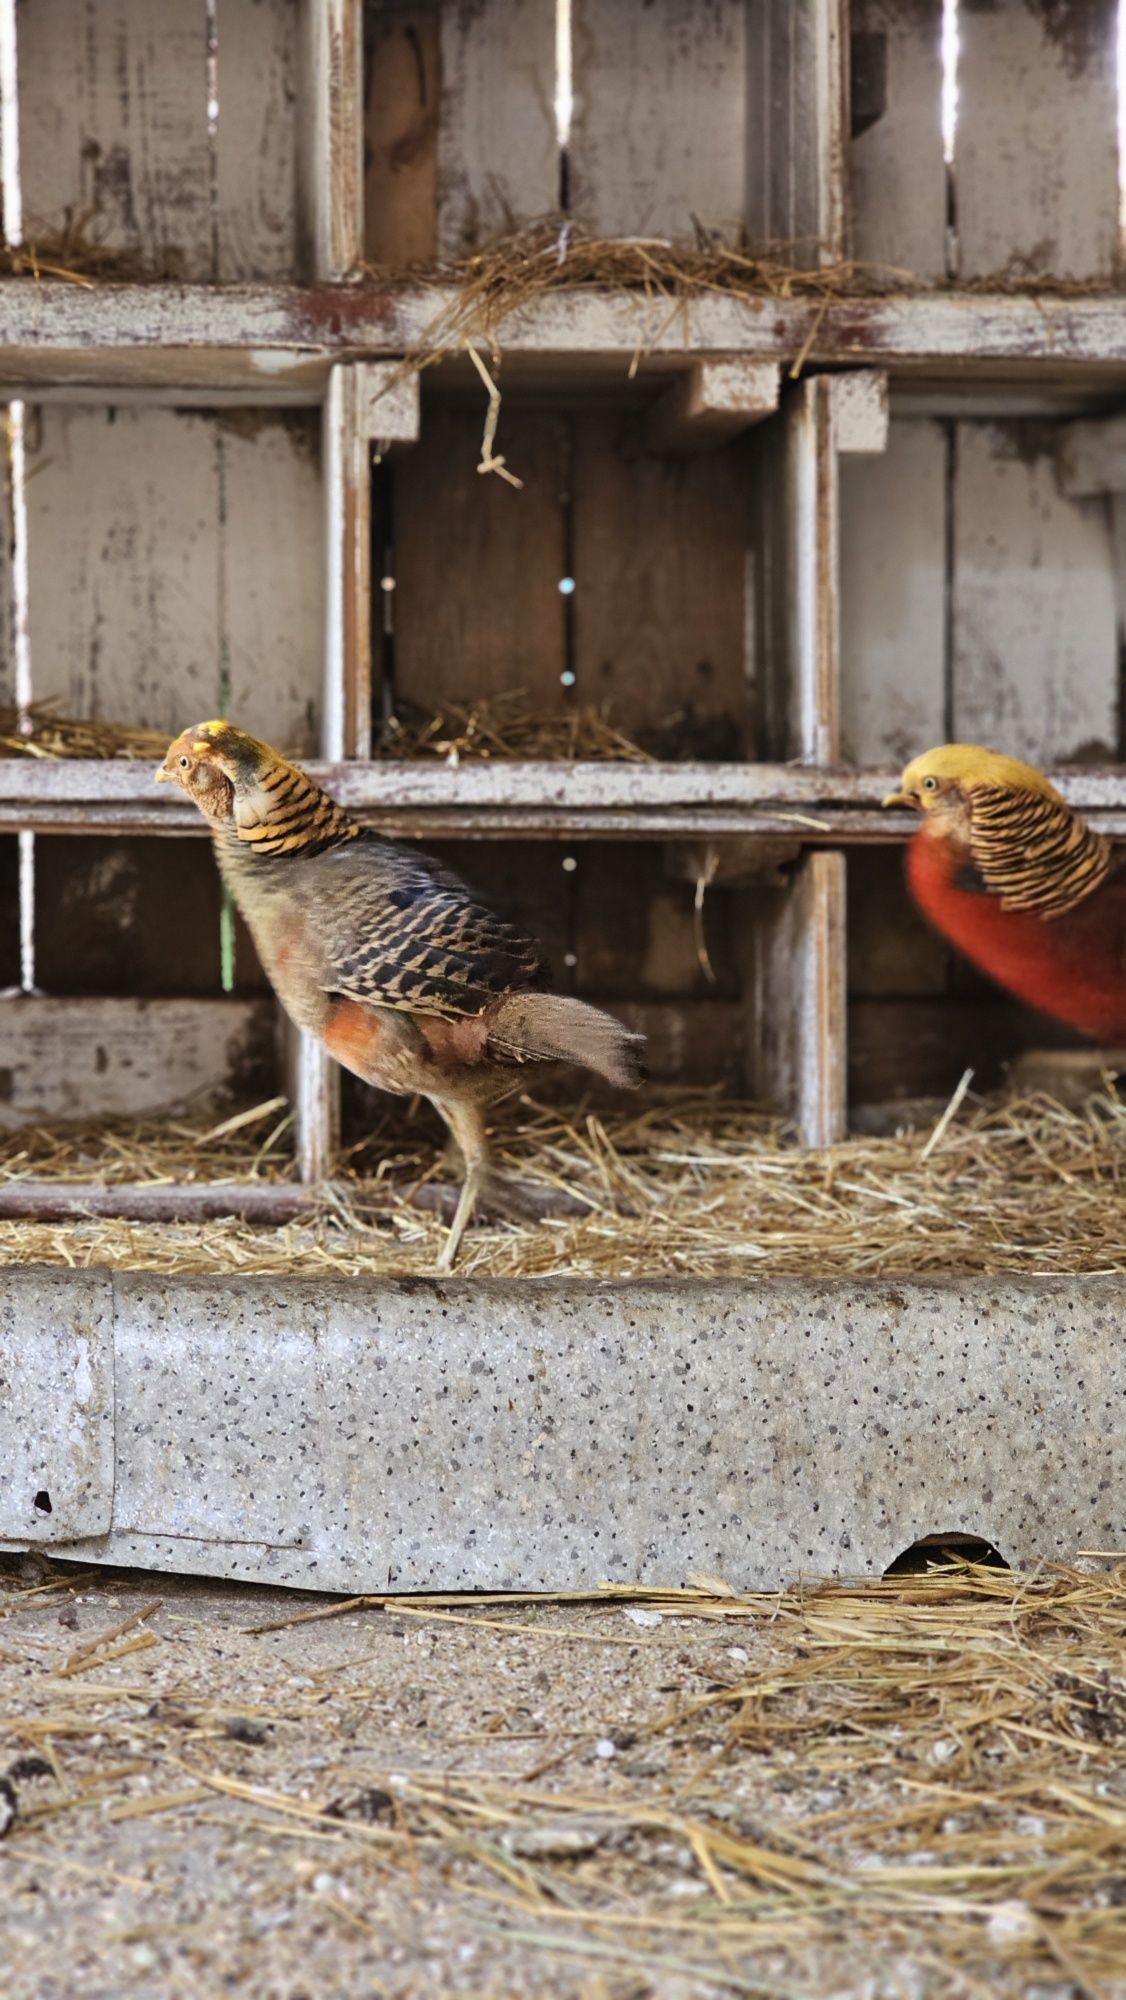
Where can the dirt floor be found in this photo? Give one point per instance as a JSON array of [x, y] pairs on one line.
[[895, 1791]]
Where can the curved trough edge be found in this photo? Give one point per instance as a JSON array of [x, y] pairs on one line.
[[414, 1434]]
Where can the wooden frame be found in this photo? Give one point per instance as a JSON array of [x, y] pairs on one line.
[[811, 374], [274, 342]]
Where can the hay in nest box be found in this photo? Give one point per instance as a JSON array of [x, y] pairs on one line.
[[75, 254], [505, 726], [509, 726], [691, 1185], [42, 731]]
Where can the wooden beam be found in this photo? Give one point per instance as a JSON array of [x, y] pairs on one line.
[[711, 402], [313, 1082], [799, 658], [389, 409], [504, 798], [370, 405], [862, 413], [347, 485], [796, 997], [330, 138], [1090, 463], [271, 341], [272, 1202], [796, 59]]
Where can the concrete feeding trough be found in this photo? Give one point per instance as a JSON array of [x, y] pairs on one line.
[[412, 1435]]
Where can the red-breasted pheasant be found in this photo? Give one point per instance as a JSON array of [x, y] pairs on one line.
[[409, 979], [1021, 884]]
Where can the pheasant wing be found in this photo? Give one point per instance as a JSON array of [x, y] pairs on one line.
[[398, 930]]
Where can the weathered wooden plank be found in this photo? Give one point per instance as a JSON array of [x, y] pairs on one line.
[[313, 1084], [862, 411], [549, 789], [893, 952], [796, 576], [660, 557], [919, 1048], [893, 596], [1091, 457], [267, 1202], [175, 567], [369, 404], [271, 578], [113, 128], [256, 139], [477, 605], [7, 603], [711, 402], [896, 166], [1035, 666], [279, 341], [123, 555], [104, 1058], [794, 199], [498, 154], [389, 411], [689, 1041], [658, 138], [796, 998], [401, 105], [346, 730], [330, 137], [636, 932], [9, 913], [1036, 154], [130, 916]]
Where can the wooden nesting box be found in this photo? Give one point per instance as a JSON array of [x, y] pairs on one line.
[[788, 538]]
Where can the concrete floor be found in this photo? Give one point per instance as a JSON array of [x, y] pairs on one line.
[[490, 1787]]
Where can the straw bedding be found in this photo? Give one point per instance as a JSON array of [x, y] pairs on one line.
[[692, 1185], [908, 1790]]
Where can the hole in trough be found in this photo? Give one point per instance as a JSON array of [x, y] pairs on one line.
[[942, 1550], [42, 1501]]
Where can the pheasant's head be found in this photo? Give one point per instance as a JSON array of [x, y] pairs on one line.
[[944, 784], [213, 762]]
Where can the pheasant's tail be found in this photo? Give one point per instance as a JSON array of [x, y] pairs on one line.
[[551, 1027]]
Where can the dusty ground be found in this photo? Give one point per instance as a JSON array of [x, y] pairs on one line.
[[893, 1793]]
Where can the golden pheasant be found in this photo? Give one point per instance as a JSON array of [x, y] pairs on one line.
[[1006, 870], [410, 981]]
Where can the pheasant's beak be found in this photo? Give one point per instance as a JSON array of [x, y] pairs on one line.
[[163, 775], [899, 799]]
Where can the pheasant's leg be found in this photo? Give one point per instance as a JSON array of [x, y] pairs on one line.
[[467, 1126]]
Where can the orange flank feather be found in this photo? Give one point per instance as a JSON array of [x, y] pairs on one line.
[[1072, 966]]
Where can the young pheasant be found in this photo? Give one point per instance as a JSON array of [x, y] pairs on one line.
[[408, 979], [1020, 883]]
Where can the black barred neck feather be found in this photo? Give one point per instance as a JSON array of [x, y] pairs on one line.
[[282, 812], [1034, 852]]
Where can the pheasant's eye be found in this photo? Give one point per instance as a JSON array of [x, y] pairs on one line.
[[184, 762], [930, 784]]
